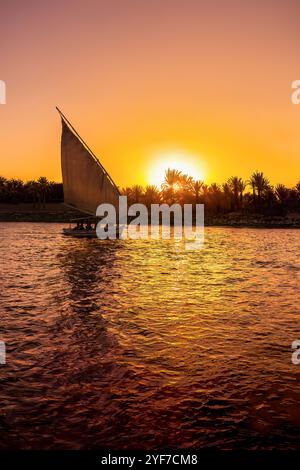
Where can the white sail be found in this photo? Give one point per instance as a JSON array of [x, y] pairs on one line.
[[86, 183]]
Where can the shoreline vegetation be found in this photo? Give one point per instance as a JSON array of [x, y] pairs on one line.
[[236, 203]]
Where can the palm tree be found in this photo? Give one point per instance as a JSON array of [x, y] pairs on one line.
[[282, 193], [204, 193], [172, 179], [171, 184], [260, 184], [126, 191], [242, 187], [185, 182], [137, 192], [237, 186], [197, 186], [3, 189], [227, 197], [151, 195], [233, 184], [215, 195], [43, 188], [56, 193], [32, 190], [185, 188], [15, 190]]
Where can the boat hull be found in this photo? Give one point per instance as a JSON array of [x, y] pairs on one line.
[[79, 233]]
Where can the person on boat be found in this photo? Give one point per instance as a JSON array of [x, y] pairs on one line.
[[88, 226], [76, 226]]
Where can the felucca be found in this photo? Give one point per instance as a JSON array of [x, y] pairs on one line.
[[86, 183]]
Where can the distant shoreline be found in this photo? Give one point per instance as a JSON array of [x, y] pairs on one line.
[[59, 213], [27, 212]]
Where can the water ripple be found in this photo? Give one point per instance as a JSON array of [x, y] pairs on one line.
[[131, 344]]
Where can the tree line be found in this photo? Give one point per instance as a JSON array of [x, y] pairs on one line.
[[255, 195], [37, 192]]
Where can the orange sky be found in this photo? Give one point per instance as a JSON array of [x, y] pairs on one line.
[[206, 81]]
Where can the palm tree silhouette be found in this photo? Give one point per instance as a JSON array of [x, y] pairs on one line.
[[237, 186], [171, 184], [43, 189], [177, 187], [152, 195], [137, 192], [282, 194], [260, 184], [15, 189], [3, 189], [172, 178], [32, 188], [196, 189]]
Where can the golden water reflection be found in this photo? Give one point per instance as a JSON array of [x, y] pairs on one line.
[[130, 344]]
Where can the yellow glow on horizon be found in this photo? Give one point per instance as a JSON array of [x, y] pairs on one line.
[[178, 160]]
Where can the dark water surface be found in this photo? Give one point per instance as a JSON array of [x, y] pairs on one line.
[[143, 344]]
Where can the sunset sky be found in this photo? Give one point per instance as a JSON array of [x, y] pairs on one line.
[[203, 85]]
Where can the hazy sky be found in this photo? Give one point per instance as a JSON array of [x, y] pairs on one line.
[[146, 82]]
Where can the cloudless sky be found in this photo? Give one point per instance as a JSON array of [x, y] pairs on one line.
[[142, 80]]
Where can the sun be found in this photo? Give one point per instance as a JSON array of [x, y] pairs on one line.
[[188, 164]]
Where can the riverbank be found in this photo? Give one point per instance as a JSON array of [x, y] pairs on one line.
[[58, 212], [26, 212], [235, 219]]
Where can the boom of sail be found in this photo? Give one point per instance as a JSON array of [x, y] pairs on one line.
[[86, 183]]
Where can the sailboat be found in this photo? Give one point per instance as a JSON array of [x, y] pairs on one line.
[[86, 183]]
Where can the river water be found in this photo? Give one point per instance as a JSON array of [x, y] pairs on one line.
[[143, 344]]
